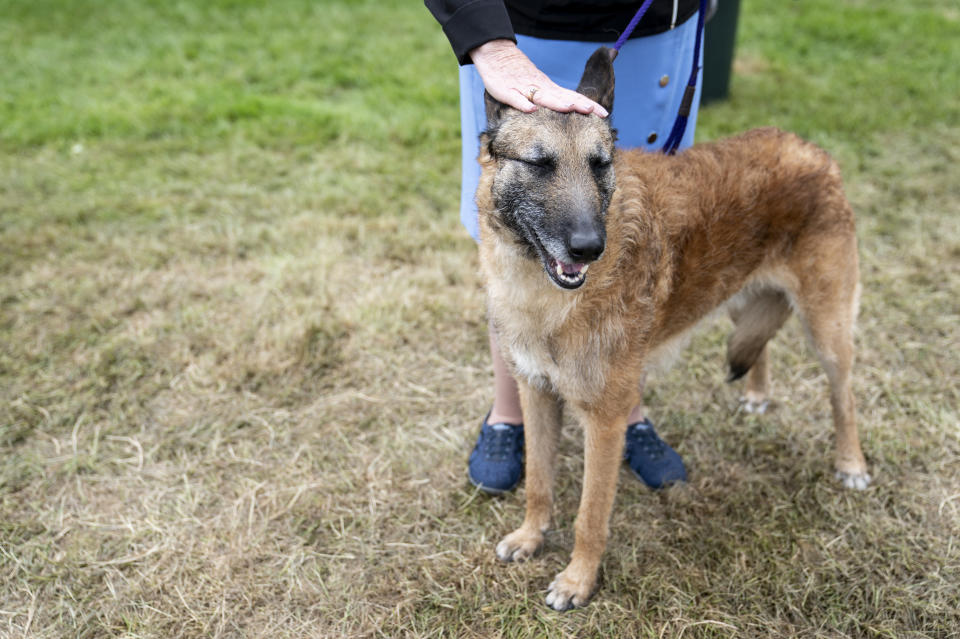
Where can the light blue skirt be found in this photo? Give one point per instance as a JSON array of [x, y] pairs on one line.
[[651, 74]]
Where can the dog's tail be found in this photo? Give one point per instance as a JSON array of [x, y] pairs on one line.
[[757, 317]]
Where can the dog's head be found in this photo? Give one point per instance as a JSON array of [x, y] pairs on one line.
[[553, 177]]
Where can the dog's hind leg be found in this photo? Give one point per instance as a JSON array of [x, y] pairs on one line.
[[827, 299], [757, 316], [755, 398], [831, 330], [541, 415]]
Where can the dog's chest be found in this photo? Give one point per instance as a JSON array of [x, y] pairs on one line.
[[539, 332], [532, 359], [548, 362]]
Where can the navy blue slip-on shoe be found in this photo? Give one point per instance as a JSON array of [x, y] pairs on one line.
[[650, 458], [496, 463]]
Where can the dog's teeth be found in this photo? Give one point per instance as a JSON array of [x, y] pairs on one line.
[[559, 269], [584, 269]]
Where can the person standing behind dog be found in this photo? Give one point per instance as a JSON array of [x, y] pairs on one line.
[[528, 54]]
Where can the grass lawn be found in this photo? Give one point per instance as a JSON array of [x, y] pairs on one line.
[[243, 349]]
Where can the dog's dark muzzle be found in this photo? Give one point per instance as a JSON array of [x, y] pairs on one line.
[[583, 243]]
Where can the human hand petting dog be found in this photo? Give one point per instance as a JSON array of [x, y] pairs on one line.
[[510, 77]]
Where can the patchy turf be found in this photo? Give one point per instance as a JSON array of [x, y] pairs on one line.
[[242, 344]]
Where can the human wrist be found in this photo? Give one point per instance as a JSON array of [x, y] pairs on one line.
[[493, 50]]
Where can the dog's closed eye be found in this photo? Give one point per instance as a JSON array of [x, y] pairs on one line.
[[538, 161], [599, 163]]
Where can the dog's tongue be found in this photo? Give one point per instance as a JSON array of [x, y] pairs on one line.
[[570, 269]]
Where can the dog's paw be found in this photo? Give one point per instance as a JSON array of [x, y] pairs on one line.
[[856, 481], [571, 590], [754, 403], [519, 545]]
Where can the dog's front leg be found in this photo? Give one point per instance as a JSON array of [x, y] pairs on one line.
[[603, 452], [541, 416]]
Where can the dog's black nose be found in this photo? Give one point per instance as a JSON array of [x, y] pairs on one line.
[[585, 244]]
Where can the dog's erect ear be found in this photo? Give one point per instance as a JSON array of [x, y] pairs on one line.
[[597, 80], [495, 110]]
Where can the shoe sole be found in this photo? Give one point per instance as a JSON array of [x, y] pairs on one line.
[[488, 489], [657, 486]]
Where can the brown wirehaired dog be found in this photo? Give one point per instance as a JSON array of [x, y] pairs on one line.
[[758, 222]]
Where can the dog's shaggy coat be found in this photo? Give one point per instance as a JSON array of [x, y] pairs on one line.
[[758, 222]]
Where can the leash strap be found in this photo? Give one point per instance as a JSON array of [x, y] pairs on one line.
[[683, 114], [633, 25], [680, 124]]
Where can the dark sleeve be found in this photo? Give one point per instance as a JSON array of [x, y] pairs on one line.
[[470, 23]]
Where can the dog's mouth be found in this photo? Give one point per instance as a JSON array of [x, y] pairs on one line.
[[569, 276], [566, 275]]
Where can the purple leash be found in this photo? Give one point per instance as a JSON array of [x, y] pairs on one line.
[[633, 25], [683, 114]]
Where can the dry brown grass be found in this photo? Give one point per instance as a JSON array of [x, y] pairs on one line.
[[238, 386]]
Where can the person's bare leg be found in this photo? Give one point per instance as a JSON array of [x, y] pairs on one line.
[[506, 397], [639, 412]]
